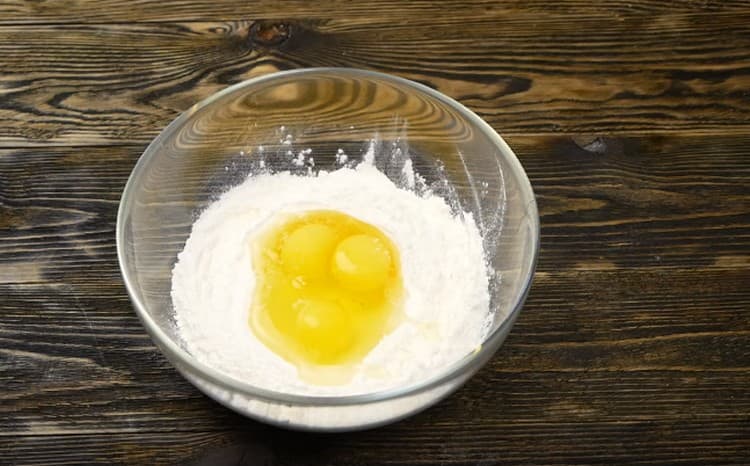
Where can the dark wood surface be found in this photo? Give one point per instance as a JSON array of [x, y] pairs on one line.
[[631, 118]]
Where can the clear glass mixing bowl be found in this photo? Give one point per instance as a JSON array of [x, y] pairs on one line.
[[252, 126]]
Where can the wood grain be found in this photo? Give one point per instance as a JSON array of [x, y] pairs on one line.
[[630, 352], [655, 202], [541, 73], [631, 119], [636, 336], [107, 11], [579, 443]]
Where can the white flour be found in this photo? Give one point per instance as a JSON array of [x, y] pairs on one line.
[[443, 268]]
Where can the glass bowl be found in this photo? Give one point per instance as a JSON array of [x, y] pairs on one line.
[[251, 126]]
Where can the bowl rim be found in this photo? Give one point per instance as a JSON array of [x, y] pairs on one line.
[[175, 352]]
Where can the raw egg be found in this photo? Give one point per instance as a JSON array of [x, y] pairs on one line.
[[328, 288]]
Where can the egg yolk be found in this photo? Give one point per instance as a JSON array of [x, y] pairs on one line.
[[307, 250], [328, 288], [361, 263]]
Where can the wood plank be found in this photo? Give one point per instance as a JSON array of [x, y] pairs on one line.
[[540, 73], [106, 11], [420, 440], [640, 202], [597, 346], [613, 203]]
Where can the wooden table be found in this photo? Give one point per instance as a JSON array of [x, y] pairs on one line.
[[631, 118]]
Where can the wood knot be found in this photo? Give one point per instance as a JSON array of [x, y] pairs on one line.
[[270, 33], [593, 144]]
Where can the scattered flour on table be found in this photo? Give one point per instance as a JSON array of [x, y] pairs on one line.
[[444, 274]]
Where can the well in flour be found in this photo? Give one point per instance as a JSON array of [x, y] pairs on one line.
[[446, 299]]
